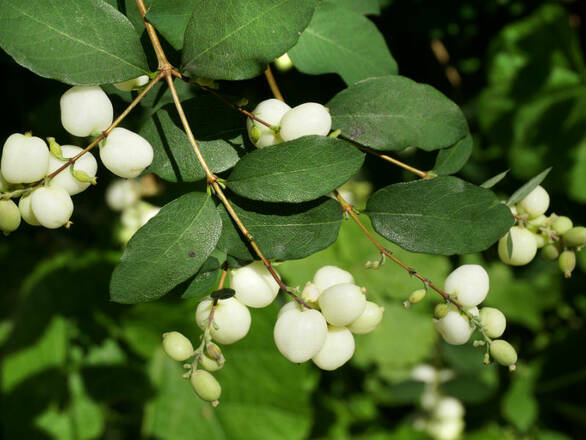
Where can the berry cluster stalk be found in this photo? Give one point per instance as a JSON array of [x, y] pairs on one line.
[[169, 72]]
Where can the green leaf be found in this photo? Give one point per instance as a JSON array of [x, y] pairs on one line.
[[283, 232], [494, 180], [519, 404], [170, 18], [232, 39], [219, 132], [451, 160], [295, 171], [394, 112], [522, 192], [342, 41], [77, 41], [170, 248], [444, 215], [204, 280], [253, 386]]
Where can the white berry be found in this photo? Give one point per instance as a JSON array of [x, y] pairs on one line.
[[342, 304], [65, 179], [368, 320], [469, 283], [121, 194], [132, 84], [455, 328], [535, 203], [270, 111], [299, 333], [25, 159], [177, 346], [524, 247], [52, 206], [448, 408], [26, 210], [304, 120], [328, 276], [493, 321], [337, 349], [231, 320], [254, 285], [86, 110], [126, 153], [9, 216]]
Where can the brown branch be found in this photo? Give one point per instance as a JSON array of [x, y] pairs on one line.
[[349, 209], [169, 72], [390, 159], [273, 84]]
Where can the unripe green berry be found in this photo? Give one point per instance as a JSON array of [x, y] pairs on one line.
[[417, 296], [550, 252], [562, 224], [536, 202], [440, 310], [209, 364], [215, 352], [575, 237], [503, 352], [567, 262], [206, 386], [493, 321], [177, 346], [538, 221], [4, 185], [9, 216], [524, 247], [540, 240]]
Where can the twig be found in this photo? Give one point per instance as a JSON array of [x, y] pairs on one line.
[[273, 84]]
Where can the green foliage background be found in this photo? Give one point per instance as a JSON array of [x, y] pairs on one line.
[[75, 365]]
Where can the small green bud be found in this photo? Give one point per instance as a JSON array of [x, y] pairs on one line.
[[567, 262], [209, 364], [82, 176], [575, 237], [441, 310], [562, 224], [177, 346], [493, 321], [550, 252], [255, 134], [206, 386], [417, 296], [503, 352], [9, 216], [55, 148]]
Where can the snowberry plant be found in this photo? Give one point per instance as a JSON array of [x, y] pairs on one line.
[[260, 175]]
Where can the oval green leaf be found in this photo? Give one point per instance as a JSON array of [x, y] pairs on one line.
[[342, 41], [394, 112], [444, 215], [74, 41], [451, 160], [219, 133], [170, 248], [295, 171], [234, 39], [283, 232]]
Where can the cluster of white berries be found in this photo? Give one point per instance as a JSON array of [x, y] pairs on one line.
[[443, 416], [468, 286], [556, 236], [26, 160], [287, 123], [324, 334], [224, 321]]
